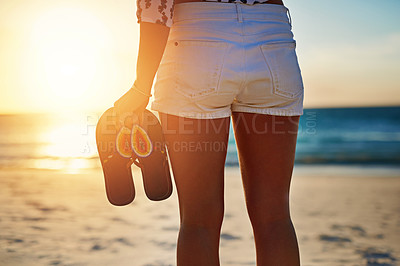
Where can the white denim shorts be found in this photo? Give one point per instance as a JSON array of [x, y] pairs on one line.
[[229, 57]]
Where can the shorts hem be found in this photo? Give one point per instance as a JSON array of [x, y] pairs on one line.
[[269, 111], [162, 109]]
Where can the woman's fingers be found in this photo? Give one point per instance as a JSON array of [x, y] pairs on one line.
[[128, 106]]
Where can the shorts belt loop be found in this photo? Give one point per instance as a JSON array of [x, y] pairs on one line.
[[290, 17], [239, 12]]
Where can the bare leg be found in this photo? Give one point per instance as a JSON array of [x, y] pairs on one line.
[[266, 147], [197, 150]]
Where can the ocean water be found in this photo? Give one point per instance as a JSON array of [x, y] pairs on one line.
[[356, 136]]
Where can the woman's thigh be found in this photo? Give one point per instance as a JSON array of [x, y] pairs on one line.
[[266, 147], [197, 150]]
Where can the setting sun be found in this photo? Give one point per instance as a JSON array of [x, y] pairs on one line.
[[68, 42], [63, 56]]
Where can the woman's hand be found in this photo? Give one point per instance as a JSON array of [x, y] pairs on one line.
[[132, 102]]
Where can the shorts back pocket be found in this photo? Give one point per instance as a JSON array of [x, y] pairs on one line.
[[282, 61], [197, 66]]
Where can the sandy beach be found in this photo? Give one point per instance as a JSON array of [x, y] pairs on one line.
[[54, 218]]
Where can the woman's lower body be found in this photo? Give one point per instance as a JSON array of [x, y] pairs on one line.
[[223, 60]]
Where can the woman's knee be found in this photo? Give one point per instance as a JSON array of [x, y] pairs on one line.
[[266, 227], [204, 215], [263, 212]]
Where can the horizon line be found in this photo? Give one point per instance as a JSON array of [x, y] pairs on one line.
[[52, 112]]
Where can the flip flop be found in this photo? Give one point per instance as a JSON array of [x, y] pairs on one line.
[[119, 185], [142, 145], [153, 161]]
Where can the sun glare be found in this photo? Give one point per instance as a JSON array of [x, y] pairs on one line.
[[69, 68], [68, 144], [69, 42]]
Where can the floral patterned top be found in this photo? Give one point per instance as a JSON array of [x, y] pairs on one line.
[[155, 11], [161, 11]]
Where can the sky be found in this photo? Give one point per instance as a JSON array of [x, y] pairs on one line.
[[80, 55]]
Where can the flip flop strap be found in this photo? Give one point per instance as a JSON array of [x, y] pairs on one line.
[[138, 164]]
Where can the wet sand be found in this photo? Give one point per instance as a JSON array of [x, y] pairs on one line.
[[54, 218]]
